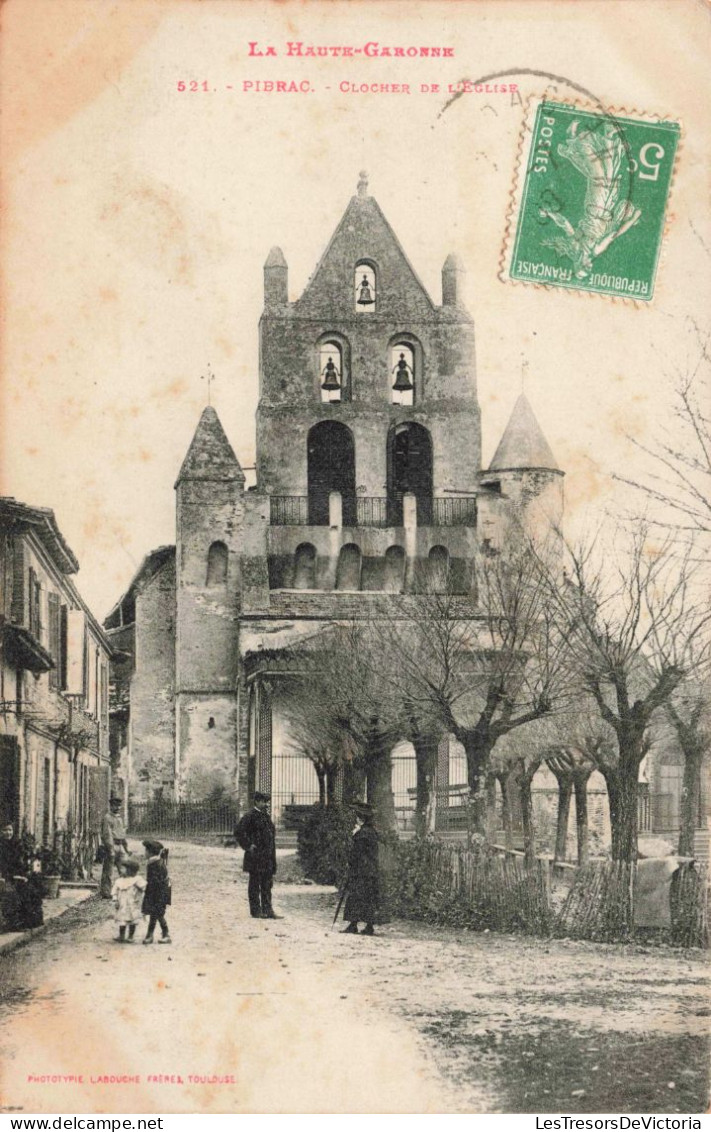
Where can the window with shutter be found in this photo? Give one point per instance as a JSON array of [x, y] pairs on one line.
[[54, 617], [34, 595], [63, 648]]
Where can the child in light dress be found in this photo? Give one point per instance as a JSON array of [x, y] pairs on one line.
[[127, 893]]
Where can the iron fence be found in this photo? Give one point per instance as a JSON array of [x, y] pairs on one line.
[[372, 511], [665, 812], [459, 511], [181, 819], [289, 510]]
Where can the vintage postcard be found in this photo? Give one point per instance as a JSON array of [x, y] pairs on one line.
[[355, 505]]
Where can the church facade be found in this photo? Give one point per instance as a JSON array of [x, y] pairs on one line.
[[369, 483]]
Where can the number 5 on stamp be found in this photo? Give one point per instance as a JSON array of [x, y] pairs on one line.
[[589, 209]]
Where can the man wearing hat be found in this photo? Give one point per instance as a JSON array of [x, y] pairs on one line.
[[113, 844], [255, 834], [363, 884]]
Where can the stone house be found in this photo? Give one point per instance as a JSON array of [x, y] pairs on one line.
[[54, 681]]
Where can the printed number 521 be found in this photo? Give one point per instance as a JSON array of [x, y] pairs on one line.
[[193, 85]]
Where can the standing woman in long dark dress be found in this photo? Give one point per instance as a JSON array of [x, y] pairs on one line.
[[363, 884]]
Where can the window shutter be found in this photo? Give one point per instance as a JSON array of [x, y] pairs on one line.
[[54, 638], [98, 795], [34, 605], [19, 615], [62, 661], [76, 653]]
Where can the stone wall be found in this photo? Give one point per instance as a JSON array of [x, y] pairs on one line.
[[152, 726]]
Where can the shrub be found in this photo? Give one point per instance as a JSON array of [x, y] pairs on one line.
[[324, 840]]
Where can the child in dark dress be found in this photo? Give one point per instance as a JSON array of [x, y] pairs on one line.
[[158, 892]]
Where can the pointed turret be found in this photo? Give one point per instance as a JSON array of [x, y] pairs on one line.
[[523, 444], [523, 488], [452, 278], [210, 455], [276, 279]]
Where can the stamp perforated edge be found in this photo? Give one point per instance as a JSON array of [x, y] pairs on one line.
[[519, 179]]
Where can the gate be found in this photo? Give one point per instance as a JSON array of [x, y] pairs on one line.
[[294, 783]]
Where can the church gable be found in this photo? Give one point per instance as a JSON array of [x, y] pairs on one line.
[[364, 247]]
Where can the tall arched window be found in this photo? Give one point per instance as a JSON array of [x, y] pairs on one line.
[[438, 570], [330, 372], [365, 283], [305, 567], [348, 570], [394, 582], [331, 467], [402, 374], [217, 557], [409, 471]]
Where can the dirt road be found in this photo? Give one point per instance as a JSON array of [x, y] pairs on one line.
[[240, 1015]]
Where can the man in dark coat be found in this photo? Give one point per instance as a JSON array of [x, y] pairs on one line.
[[256, 835], [363, 883], [113, 844]]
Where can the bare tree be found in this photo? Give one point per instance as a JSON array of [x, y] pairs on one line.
[[678, 484], [342, 716], [689, 714], [477, 669], [635, 626], [315, 732]]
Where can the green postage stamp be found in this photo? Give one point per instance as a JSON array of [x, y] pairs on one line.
[[591, 200]]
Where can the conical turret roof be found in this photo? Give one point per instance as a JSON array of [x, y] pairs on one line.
[[210, 455], [523, 444], [275, 258]]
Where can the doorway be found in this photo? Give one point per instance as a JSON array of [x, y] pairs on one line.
[[409, 471], [331, 467]]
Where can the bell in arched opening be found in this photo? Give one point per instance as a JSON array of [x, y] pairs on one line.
[[365, 297], [403, 376], [331, 380]]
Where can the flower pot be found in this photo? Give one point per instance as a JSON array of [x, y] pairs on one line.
[[50, 887]]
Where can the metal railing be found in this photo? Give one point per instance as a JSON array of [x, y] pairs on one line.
[[181, 818], [665, 812], [289, 510], [371, 511], [459, 511]]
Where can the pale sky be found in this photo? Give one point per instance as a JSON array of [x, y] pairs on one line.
[[138, 219]]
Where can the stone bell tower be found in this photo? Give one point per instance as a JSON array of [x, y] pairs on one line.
[[367, 387]]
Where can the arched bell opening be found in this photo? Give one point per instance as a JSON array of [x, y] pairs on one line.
[[333, 369], [402, 374], [409, 471], [365, 283], [331, 467]]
